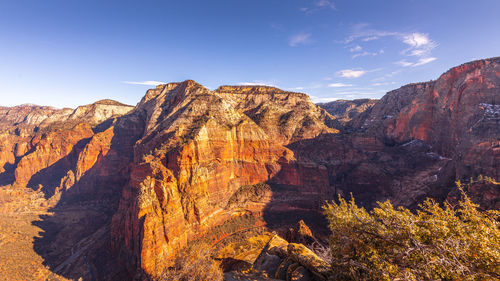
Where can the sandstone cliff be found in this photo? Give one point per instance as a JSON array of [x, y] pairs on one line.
[[41, 145], [458, 115]]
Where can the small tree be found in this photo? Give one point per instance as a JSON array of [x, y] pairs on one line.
[[434, 243]]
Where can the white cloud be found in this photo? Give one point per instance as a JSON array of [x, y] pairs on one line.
[[387, 76], [424, 61], [416, 39], [383, 83], [356, 48], [339, 85], [362, 54], [258, 83], [326, 4], [362, 32], [299, 39], [370, 38], [296, 89], [319, 5], [420, 45], [404, 63], [421, 61], [145, 83], [329, 99], [351, 73], [365, 53]]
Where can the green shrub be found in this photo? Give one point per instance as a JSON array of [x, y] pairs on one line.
[[433, 243]]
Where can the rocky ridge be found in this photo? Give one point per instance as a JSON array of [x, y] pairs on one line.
[[346, 110]]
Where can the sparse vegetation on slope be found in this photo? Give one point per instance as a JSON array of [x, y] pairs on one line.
[[195, 263]]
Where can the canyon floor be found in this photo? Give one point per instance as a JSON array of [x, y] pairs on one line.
[[42, 241], [17, 237]]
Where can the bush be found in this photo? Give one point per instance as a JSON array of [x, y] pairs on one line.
[[433, 243], [194, 263]]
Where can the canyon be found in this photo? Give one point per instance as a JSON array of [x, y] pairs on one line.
[[118, 191]]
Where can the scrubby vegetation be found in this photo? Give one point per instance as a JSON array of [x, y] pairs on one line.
[[434, 243], [195, 263]]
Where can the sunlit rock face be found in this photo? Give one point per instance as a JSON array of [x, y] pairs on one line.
[[199, 147], [457, 115], [284, 116]]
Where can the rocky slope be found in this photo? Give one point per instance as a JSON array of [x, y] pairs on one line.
[[458, 115], [188, 163], [346, 110], [41, 145]]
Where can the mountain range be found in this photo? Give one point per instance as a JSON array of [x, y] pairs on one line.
[[124, 188]]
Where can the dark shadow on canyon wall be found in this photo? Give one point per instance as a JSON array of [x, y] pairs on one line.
[[75, 238], [338, 164]]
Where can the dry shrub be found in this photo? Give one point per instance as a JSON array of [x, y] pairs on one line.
[[195, 263]]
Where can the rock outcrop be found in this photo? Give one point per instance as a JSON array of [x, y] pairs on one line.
[[289, 261]]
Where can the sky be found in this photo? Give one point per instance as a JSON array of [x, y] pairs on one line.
[[67, 53]]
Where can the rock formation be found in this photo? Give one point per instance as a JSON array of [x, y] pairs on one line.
[[187, 160]]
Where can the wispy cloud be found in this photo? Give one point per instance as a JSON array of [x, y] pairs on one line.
[[420, 45], [361, 54], [420, 61], [365, 53], [319, 5], [258, 83], [363, 33], [327, 99], [326, 4], [339, 85], [351, 73], [383, 83], [417, 39], [356, 48], [300, 39], [387, 76], [296, 89], [145, 83]]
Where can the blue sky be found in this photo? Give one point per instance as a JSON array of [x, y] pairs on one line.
[[68, 53]]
